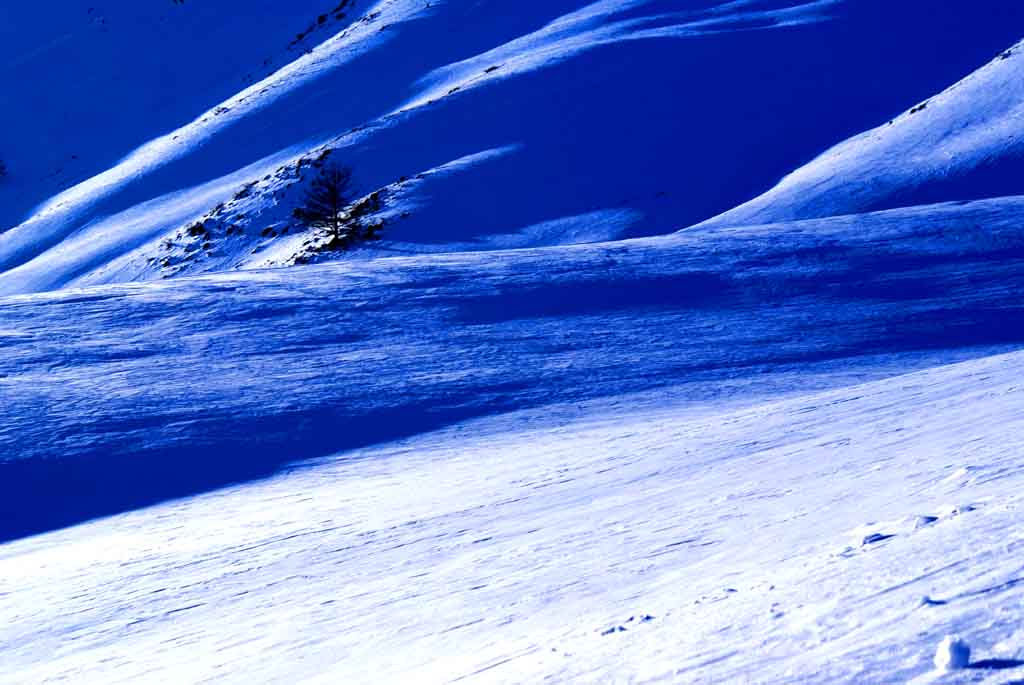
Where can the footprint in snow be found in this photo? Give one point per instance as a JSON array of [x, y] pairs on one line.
[[948, 511], [864, 542], [953, 510], [644, 618], [875, 538]]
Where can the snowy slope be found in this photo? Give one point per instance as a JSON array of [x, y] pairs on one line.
[[171, 388], [85, 82], [966, 143], [479, 467], [782, 446], [570, 104]]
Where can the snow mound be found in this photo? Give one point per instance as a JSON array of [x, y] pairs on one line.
[[953, 653]]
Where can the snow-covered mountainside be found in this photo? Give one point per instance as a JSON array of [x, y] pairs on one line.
[[966, 143], [482, 124], [601, 405], [675, 459]]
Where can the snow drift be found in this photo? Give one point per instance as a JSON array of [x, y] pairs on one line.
[[230, 377]]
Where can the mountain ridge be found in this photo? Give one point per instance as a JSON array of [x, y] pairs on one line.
[[113, 226]]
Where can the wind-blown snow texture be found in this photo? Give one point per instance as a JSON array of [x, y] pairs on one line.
[[780, 446]]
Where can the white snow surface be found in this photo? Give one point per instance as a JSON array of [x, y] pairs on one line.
[[506, 444], [482, 556], [778, 454]]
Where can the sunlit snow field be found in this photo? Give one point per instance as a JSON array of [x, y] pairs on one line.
[[610, 402]]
